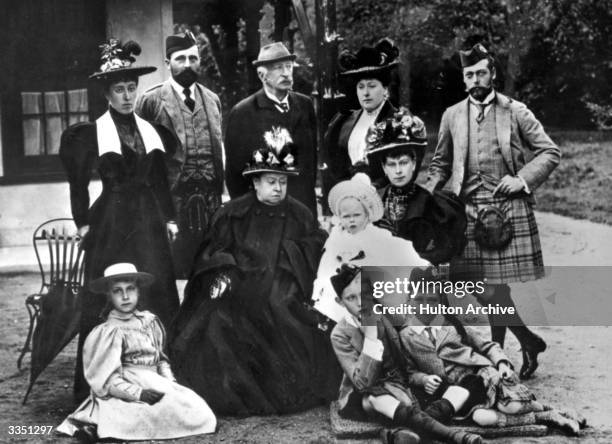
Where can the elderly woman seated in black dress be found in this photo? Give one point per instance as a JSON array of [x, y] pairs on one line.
[[245, 338]]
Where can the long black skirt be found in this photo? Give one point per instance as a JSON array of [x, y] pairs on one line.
[[247, 354]]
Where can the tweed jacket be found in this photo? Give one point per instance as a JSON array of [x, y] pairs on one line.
[[362, 372], [159, 104], [520, 136], [423, 358], [247, 123]]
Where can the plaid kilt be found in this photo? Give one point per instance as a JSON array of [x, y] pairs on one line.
[[520, 261], [500, 392]]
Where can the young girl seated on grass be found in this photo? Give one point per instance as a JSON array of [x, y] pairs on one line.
[[134, 395], [354, 239]]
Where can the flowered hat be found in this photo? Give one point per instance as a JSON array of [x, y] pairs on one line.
[[360, 188], [278, 155], [369, 60], [122, 270], [118, 60], [401, 130]]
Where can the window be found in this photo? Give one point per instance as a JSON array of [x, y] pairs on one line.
[[51, 49], [46, 114]]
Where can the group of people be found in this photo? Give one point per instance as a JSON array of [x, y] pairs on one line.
[[265, 282]]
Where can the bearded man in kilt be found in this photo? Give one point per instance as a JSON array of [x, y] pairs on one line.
[[481, 155]]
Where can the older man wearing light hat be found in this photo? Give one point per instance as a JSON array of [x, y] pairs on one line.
[[192, 113], [275, 105]]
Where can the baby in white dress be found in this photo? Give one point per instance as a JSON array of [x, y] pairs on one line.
[[354, 239]]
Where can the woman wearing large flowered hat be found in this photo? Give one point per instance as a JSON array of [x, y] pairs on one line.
[[434, 223]]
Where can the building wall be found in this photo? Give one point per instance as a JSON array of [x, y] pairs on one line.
[[148, 22], [24, 207]]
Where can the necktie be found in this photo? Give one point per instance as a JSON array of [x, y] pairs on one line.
[[481, 108], [430, 335], [284, 106], [188, 100]]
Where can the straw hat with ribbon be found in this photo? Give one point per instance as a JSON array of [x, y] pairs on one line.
[[120, 271]]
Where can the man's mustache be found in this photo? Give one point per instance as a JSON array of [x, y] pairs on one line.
[[479, 92]]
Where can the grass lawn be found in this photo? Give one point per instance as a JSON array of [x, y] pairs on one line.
[[581, 185]]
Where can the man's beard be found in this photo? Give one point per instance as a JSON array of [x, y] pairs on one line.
[[480, 92], [186, 77]]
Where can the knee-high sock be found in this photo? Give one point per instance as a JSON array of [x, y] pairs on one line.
[[504, 420], [422, 423], [556, 419], [441, 410]]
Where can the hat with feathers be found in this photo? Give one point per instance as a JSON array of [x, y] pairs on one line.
[[277, 156], [118, 59], [369, 60]]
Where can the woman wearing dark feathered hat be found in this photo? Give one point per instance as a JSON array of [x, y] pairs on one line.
[[368, 72], [132, 218]]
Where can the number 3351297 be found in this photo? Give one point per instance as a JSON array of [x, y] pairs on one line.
[[29, 429]]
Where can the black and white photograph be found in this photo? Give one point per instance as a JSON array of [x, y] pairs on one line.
[[306, 221]]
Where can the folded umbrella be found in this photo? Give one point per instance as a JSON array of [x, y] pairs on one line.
[[58, 324]]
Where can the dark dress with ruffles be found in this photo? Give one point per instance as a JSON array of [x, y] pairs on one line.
[[258, 348], [127, 222]]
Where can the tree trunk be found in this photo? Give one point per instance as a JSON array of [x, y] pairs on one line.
[[404, 74], [253, 15]]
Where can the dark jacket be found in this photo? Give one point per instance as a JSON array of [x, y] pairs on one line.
[[246, 124], [435, 223], [127, 221], [302, 243], [335, 147]]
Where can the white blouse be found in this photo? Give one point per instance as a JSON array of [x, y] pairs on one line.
[[357, 139]]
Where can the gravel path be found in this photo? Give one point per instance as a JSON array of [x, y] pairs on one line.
[[574, 372]]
